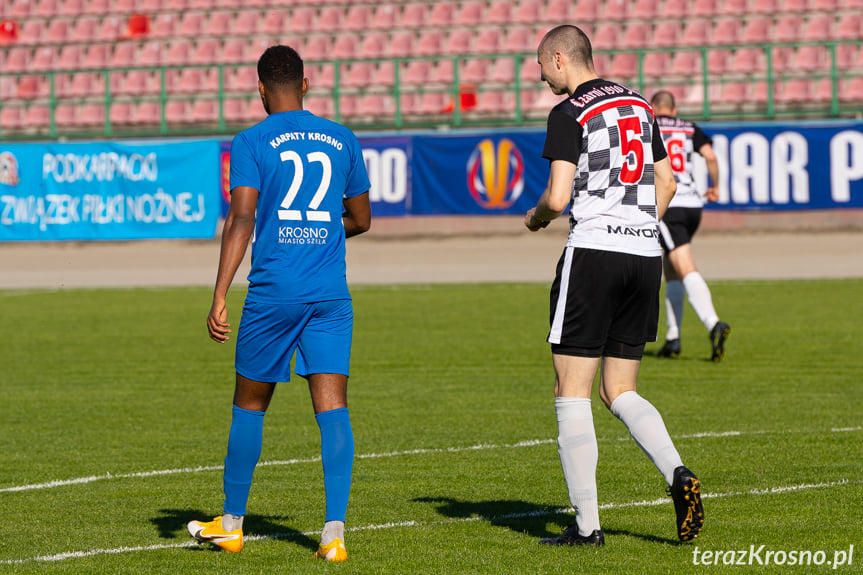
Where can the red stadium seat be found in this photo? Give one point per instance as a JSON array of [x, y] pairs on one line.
[[606, 36], [528, 12], [470, 13], [71, 57], [9, 32], [44, 58], [234, 110], [644, 10], [613, 10], [717, 61], [191, 24], [787, 28], [177, 52], [401, 45], [30, 88], [747, 61], [45, 8], [726, 31], [219, 23], [91, 115], [686, 63], [519, 39], [430, 43], [246, 23], [330, 19], [206, 51], [57, 31], [459, 41], [442, 73], [19, 9], [417, 72], [357, 74], [66, 114], [735, 93], [37, 117], [177, 112], [636, 35], [372, 45], [346, 45], [850, 27], [301, 20], [705, 8], [823, 91], [488, 41], [818, 27], [11, 118], [733, 7], [757, 30], [657, 64], [205, 111], [149, 54], [319, 106], [666, 33], [823, 5], [675, 8], [121, 113], [146, 113], [810, 58], [474, 71], [384, 74], [441, 14], [17, 59], [31, 32], [414, 15], [502, 71], [795, 91], [233, 51], [695, 31], [623, 66], [852, 90], [499, 13], [357, 17], [163, 25], [795, 5], [384, 17]]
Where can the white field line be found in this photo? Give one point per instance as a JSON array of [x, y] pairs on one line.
[[402, 524], [421, 451]]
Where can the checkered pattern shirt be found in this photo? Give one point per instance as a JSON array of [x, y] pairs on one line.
[[609, 132], [682, 140]]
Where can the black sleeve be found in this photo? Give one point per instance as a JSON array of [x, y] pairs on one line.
[[562, 138], [699, 138], [658, 144]]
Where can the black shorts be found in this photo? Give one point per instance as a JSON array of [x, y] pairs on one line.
[[604, 303], [678, 226]]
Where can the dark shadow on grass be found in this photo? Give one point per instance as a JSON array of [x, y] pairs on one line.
[[171, 524], [519, 516], [523, 517]]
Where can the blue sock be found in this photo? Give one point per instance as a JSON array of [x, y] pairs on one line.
[[337, 454], [244, 450]]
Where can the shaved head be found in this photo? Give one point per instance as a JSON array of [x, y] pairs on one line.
[[570, 41], [663, 101]]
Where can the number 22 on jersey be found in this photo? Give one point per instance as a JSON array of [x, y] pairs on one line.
[[313, 214]]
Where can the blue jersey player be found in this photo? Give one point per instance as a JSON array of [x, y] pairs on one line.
[[299, 187]]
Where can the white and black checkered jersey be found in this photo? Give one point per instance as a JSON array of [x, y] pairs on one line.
[[683, 139], [609, 132]]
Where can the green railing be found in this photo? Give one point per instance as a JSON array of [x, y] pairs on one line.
[[454, 99]]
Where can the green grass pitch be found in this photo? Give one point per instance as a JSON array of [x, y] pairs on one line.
[[116, 407]]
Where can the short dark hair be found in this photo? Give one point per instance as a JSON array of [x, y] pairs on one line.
[[280, 67], [663, 100], [570, 40]]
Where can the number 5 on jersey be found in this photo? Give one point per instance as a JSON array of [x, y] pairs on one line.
[[312, 213]]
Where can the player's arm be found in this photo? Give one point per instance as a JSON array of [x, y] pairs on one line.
[[555, 198], [665, 185], [239, 225], [357, 216], [712, 193]]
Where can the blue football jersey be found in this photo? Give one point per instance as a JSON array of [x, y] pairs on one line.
[[303, 167]]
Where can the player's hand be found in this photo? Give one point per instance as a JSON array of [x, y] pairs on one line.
[[217, 322], [712, 194], [531, 223]]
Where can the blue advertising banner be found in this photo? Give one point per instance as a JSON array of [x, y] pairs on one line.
[[388, 162], [490, 173], [788, 166], [109, 190]]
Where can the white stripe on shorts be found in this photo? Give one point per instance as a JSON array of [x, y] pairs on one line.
[[560, 306], [666, 236]]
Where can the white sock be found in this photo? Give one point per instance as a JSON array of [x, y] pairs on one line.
[[674, 301], [576, 445], [333, 530], [232, 522], [648, 430], [700, 299]]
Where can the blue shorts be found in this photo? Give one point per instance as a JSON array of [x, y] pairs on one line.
[[270, 332]]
